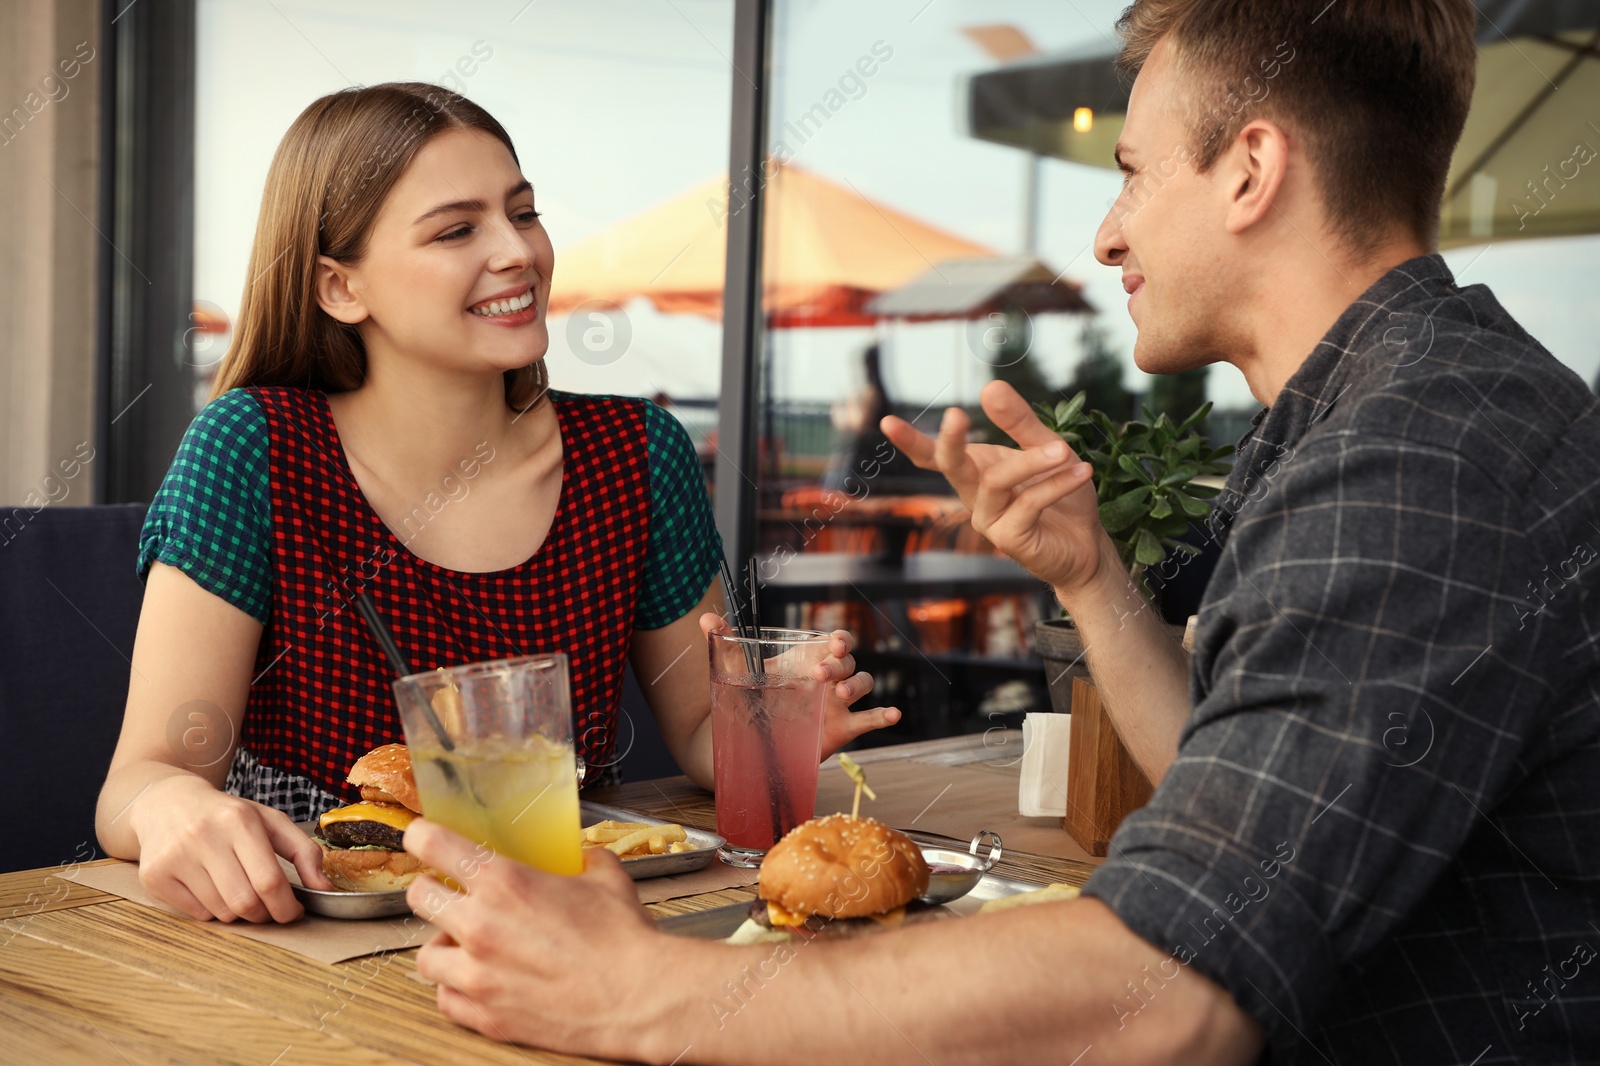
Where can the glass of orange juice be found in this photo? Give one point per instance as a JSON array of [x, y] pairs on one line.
[[495, 761]]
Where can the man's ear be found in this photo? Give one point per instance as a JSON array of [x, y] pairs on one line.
[[1255, 167], [335, 294]]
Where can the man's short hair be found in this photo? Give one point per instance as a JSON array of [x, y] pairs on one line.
[[1378, 89]]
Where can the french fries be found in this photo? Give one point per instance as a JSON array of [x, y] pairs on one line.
[[631, 840]]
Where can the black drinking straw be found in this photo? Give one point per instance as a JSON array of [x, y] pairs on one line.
[[755, 598], [749, 630], [397, 661], [741, 626]]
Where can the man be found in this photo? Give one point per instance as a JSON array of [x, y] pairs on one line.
[[1375, 835]]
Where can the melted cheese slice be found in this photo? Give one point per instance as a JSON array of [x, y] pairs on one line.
[[778, 916], [382, 813]]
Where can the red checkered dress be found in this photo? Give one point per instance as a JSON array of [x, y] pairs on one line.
[[323, 697]]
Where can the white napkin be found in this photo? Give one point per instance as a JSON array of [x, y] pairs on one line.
[[1046, 740]]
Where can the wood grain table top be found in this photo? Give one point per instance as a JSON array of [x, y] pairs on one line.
[[87, 977]]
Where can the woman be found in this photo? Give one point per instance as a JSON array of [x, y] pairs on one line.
[[382, 424]]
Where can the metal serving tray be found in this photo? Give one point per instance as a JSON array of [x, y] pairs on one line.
[[359, 905], [719, 923], [698, 858]]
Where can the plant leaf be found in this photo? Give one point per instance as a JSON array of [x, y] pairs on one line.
[[1123, 511], [1147, 549], [1174, 525], [1161, 508], [1195, 419], [1131, 465], [1186, 472]]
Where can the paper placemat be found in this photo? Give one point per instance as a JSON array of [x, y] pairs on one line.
[[333, 940], [326, 940]]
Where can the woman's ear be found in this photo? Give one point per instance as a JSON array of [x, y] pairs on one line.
[[1257, 163], [335, 294]]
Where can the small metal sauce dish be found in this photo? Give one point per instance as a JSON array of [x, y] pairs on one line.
[[952, 874], [351, 905]]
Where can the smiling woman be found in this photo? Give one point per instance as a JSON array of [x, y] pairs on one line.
[[393, 338], [344, 183]]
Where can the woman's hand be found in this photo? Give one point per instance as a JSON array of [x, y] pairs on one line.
[[841, 725], [209, 854], [569, 963], [212, 855], [845, 685]]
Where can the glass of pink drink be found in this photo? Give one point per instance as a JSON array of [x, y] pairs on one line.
[[766, 736]]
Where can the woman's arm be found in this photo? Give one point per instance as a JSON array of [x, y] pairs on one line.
[[200, 850], [673, 668]]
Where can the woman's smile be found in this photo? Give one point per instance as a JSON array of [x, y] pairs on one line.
[[518, 307]]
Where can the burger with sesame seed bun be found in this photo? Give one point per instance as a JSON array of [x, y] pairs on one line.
[[838, 876], [363, 847]]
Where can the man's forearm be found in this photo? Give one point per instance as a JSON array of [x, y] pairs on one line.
[[1139, 668], [1034, 985]]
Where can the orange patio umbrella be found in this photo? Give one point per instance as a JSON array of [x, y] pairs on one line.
[[828, 250]]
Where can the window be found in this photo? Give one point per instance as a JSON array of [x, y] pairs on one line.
[[903, 269], [615, 110]]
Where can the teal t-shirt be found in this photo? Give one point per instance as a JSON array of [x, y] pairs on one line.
[[212, 517]]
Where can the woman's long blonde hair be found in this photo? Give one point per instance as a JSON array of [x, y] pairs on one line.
[[327, 181]]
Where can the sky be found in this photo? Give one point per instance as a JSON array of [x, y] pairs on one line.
[[618, 106]]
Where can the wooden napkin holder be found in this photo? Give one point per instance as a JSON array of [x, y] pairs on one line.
[[1104, 784]]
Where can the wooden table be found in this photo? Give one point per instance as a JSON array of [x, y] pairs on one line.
[[87, 977]]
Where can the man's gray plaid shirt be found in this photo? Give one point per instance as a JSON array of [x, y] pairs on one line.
[[1382, 831]]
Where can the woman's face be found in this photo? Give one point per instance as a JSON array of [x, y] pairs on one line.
[[457, 268]]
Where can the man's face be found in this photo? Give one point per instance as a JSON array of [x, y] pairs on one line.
[[1166, 231]]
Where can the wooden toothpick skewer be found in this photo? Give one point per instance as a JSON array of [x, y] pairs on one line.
[[854, 771]]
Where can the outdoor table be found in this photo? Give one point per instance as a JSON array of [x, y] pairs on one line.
[[87, 977]]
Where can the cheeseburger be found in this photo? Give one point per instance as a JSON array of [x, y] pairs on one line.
[[838, 876], [362, 844]]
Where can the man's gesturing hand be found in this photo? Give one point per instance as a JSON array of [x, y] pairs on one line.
[[1036, 504]]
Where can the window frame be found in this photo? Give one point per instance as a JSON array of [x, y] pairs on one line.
[[147, 197], [145, 388]]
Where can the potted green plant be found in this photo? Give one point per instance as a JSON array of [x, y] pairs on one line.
[[1144, 476]]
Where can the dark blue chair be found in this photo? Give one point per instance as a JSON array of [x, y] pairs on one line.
[[69, 604]]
